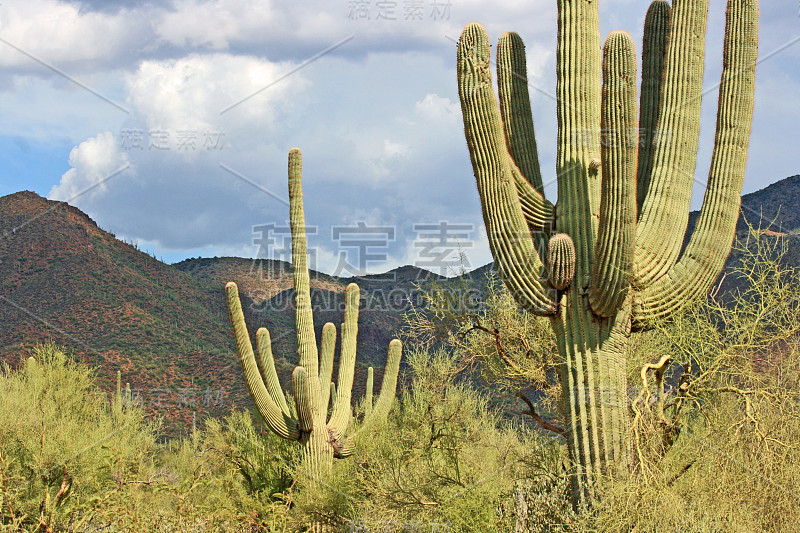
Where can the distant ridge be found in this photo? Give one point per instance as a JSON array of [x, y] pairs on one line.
[[166, 326], [775, 207]]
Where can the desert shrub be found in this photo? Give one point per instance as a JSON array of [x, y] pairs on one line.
[[264, 461], [503, 348], [62, 449], [72, 461], [229, 476], [720, 475], [443, 461], [716, 434]]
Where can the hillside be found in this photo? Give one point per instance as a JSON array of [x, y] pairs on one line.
[[268, 288], [66, 280], [773, 211], [166, 326]]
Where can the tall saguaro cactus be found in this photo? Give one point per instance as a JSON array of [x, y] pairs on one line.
[[323, 412], [624, 190]]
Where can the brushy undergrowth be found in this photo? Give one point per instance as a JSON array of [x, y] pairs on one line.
[[442, 461], [715, 440], [70, 460]]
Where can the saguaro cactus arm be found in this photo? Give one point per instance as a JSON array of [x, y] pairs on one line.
[[385, 399], [368, 391], [518, 130], [266, 364], [326, 361], [118, 397], [389, 382], [342, 412], [561, 260], [654, 51], [515, 108], [283, 425], [702, 261], [512, 244], [613, 259], [664, 215], [539, 213]]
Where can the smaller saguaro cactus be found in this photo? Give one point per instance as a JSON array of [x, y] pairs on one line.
[[119, 387], [122, 397], [322, 413]]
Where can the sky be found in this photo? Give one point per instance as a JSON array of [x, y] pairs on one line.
[[169, 121]]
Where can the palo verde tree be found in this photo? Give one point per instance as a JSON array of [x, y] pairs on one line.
[[322, 411], [606, 259]]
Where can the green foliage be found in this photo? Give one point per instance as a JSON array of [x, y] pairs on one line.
[[70, 461], [444, 458], [62, 450], [720, 475], [513, 351], [264, 461]]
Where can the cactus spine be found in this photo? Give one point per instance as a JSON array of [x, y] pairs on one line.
[[624, 203], [323, 437]]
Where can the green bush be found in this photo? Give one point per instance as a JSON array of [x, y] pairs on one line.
[[62, 450], [443, 461], [70, 461], [716, 449]]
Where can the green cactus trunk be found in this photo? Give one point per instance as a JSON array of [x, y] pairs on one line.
[[594, 391], [624, 189]]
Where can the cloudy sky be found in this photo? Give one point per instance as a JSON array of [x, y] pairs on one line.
[[169, 121]]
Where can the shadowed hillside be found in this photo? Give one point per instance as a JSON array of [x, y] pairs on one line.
[[66, 280], [166, 326]]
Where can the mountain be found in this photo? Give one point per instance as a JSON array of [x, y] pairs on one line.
[[771, 212], [67, 280], [166, 327], [773, 208]]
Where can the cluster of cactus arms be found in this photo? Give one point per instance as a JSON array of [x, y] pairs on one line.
[[322, 411], [606, 259]]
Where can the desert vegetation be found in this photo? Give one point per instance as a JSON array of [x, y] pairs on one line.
[[530, 408], [714, 433]]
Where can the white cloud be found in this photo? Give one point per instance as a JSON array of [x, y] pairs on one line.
[[94, 163], [394, 149], [215, 24], [176, 139], [191, 93], [434, 107], [58, 33]]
